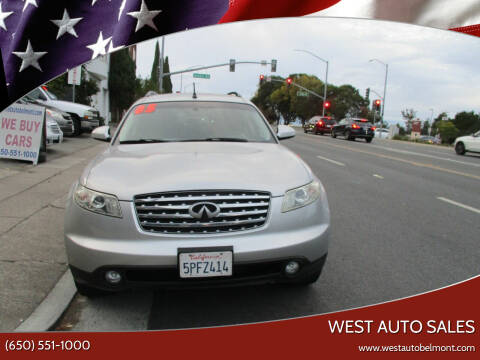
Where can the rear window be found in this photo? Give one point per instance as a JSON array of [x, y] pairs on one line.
[[362, 121], [194, 121]]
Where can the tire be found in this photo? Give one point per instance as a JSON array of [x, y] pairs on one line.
[[316, 132], [333, 134], [77, 125], [310, 279], [460, 148], [89, 291], [322, 133], [368, 139], [348, 136], [305, 131]]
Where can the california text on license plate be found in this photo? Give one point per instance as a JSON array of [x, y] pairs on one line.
[[205, 264]]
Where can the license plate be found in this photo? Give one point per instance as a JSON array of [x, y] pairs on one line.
[[205, 264]]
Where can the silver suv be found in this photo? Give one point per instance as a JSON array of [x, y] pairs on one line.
[[195, 191]]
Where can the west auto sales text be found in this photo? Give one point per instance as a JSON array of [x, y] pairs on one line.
[[402, 326]]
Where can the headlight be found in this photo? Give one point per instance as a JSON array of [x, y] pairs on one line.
[[97, 202], [89, 115], [302, 196]]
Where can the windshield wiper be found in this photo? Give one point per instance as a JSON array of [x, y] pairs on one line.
[[143, 141], [217, 139]]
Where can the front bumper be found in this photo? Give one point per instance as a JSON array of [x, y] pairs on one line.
[[96, 242], [90, 124], [252, 273]]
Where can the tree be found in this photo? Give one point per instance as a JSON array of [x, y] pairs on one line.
[[426, 126], [401, 130], [346, 101], [281, 98], [167, 82], [263, 101], [83, 92], [121, 82], [409, 115], [448, 132], [153, 83], [467, 122]]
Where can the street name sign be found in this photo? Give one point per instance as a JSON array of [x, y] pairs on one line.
[[201, 76]]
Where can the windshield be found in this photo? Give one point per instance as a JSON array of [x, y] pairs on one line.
[[194, 121], [51, 95]]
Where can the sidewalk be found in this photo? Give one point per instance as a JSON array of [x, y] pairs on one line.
[[32, 254]]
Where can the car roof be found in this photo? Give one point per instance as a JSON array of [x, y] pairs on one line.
[[189, 97]]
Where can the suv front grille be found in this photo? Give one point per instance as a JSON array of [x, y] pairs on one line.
[[171, 213]]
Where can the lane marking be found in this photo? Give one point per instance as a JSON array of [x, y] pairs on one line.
[[330, 160], [424, 155], [414, 163], [378, 176], [459, 204]]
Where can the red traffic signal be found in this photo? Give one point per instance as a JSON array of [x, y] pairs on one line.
[[289, 81], [377, 104], [262, 77], [326, 104]]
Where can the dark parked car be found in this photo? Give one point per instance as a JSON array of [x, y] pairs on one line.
[[319, 125], [352, 128]]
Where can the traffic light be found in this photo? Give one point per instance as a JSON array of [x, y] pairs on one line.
[[367, 94], [232, 65], [274, 65], [288, 81], [376, 104], [262, 79], [326, 104]]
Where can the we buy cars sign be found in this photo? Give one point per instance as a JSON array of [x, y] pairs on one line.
[[21, 132]]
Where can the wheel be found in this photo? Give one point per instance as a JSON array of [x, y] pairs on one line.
[[460, 148], [333, 135], [322, 133], [77, 125], [316, 132], [305, 131], [310, 279], [89, 291], [348, 136], [368, 139]]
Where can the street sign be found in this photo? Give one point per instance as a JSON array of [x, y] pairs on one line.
[[75, 76], [302, 93], [201, 76]]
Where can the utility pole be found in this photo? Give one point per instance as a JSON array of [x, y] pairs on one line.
[[160, 65]]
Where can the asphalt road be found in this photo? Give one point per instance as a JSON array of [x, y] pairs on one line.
[[405, 220]]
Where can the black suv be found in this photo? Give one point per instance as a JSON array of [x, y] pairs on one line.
[[352, 128], [319, 125]]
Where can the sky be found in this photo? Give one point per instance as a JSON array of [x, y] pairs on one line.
[[429, 70]]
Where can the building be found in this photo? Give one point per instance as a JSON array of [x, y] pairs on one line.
[[97, 70]]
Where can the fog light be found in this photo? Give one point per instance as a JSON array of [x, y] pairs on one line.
[[113, 277], [292, 268]]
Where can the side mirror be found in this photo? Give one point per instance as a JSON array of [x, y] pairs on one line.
[[102, 133], [285, 132]]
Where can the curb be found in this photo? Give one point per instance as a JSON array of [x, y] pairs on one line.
[[52, 307]]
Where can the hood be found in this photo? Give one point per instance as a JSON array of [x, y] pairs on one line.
[[70, 107], [132, 169]]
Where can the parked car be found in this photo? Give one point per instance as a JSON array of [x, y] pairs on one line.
[[429, 139], [85, 118], [54, 134], [319, 125], [382, 133], [469, 143], [184, 196], [352, 128]]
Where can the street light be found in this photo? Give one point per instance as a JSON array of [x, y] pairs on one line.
[[326, 76], [431, 123]]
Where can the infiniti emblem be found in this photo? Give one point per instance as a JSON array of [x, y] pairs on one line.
[[204, 210]]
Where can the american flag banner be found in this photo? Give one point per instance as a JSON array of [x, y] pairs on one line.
[[40, 39]]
